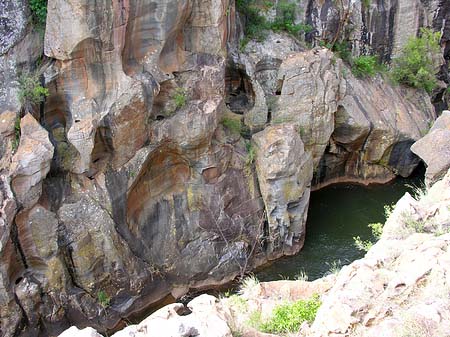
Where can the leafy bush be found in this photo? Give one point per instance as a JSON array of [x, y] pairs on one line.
[[180, 98], [39, 11], [232, 124], [256, 25], [416, 66], [17, 133], [365, 66], [342, 49], [31, 92], [251, 153], [285, 20], [103, 299], [365, 245], [288, 317]]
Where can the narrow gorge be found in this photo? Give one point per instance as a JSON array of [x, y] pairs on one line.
[[152, 148]]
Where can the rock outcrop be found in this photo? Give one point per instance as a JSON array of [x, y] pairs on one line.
[[284, 172], [357, 130], [203, 316], [31, 163], [407, 274], [400, 288], [434, 148]]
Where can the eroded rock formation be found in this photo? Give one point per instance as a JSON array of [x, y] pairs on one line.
[[434, 149], [166, 159]]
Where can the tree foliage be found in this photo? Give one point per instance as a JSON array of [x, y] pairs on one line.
[[31, 92], [256, 25], [39, 10], [416, 65]]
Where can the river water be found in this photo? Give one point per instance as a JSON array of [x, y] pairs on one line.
[[336, 214]]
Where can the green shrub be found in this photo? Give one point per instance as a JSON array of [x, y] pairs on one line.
[[285, 20], [416, 66], [17, 133], [103, 299], [31, 92], [365, 66], [39, 11], [342, 49], [180, 98], [288, 317], [255, 24], [232, 124], [365, 245], [251, 153]]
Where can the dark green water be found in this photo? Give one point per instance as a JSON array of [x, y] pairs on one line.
[[337, 214]]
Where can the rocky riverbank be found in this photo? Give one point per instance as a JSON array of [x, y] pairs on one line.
[[400, 288]]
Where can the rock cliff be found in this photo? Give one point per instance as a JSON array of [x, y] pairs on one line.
[[165, 158], [400, 287]]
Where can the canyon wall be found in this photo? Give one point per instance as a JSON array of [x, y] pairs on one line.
[[165, 158]]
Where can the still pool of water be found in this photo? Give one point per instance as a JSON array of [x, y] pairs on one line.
[[336, 214]]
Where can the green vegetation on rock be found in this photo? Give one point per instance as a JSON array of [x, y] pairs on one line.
[[285, 20], [103, 299], [289, 317], [416, 66], [180, 98], [365, 245], [31, 92], [17, 132], [365, 66], [39, 11], [232, 124], [256, 25]]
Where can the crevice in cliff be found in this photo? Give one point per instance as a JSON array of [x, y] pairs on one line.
[[239, 94], [16, 242], [23, 322], [102, 151], [65, 251]]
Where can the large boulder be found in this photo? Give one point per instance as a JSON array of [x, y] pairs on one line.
[[206, 319], [434, 148], [31, 162], [375, 126], [284, 171], [308, 85]]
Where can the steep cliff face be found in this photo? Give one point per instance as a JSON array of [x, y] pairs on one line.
[[166, 159]]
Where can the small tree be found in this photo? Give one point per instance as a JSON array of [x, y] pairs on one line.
[[31, 92], [365, 66], [39, 10], [416, 66]]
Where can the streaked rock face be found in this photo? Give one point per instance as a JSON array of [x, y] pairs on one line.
[[284, 173]]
